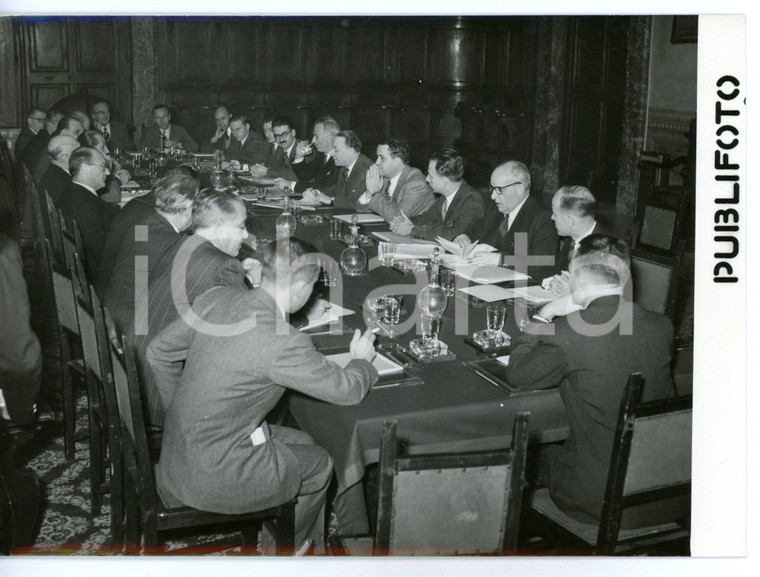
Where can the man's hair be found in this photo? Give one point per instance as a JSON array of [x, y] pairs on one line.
[[227, 110], [268, 118], [352, 139], [577, 200], [604, 243], [53, 117], [66, 122], [187, 171], [82, 155], [34, 110], [600, 267], [283, 121], [82, 117], [448, 163], [91, 138], [397, 147], [329, 124], [159, 107], [94, 103], [212, 207], [521, 172], [291, 256], [55, 147], [174, 190], [239, 118]]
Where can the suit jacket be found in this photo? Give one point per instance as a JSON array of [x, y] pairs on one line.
[[94, 219], [158, 241], [346, 191], [567, 247], [20, 351], [533, 220], [315, 173], [271, 149], [592, 372], [220, 389], [282, 166], [253, 151], [24, 138], [463, 216], [119, 137], [412, 195], [40, 167], [55, 181], [122, 227], [151, 138], [36, 146], [222, 144], [204, 267]]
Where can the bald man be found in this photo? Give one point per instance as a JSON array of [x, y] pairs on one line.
[[57, 177], [223, 136], [67, 126]]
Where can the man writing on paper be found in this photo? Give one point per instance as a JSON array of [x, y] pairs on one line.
[[218, 453], [573, 213], [458, 210], [590, 355]]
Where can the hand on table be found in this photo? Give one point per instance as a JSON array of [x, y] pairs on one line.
[[559, 284], [401, 224], [312, 197], [486, 259], [318, 309], [258, 170], [172, 144], [363, 345], [283, 183]]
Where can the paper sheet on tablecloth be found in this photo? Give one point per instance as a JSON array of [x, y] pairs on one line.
[[488, 292], [388, 236], [364, 218], [504, 360], [130, 184], [330, 315], [384, 365], [534, 294], [489, 274], [470, 250]]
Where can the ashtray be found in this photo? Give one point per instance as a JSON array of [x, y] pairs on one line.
[[423, 353], [410, 265], [490, 340], [364, 239], [312, 219]]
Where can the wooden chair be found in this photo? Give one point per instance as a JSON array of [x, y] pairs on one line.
[[658, 229], [655, 281], [143, 505], [651, 462], [446, 504]]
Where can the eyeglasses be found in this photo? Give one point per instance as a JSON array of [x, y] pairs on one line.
[[37, 118], [500, 189], [282, 135], [103, 166], [102, 112]]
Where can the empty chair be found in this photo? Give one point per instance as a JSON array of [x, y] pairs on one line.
[[655, 281]]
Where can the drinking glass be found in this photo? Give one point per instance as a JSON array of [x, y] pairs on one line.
[[336, 229], [448, 281], [296, 208], [495, 315], [392, 309], [387, 252], [330, 272], [261, 192]]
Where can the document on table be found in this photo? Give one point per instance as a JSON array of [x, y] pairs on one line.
[[364, 218], [489, 274], [488, 292], [466, 252], [534, 294], [504, 360], [388, 236], [331, 314], [384, 365], [411, 251]]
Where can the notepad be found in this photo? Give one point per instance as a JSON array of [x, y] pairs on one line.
[[488, 292], [489, 274], [384, 365], [364, 218], [332, 314]]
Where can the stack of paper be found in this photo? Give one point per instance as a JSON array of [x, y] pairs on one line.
[[533, 294], [388, 236], [331, 314], [488, 293], [489, 274], [384, 365]]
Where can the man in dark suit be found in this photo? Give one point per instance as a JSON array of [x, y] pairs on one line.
[[67, 126], [111, 192], [315, 169], [458, 210], [223, 135], [520, 224], [393, 186], [115, 133], [57, 178], [269, 137], [151, 248], [223, 374], [163, 134], [352, 172], [589, 354], [281, 163], [573, 213], [203, 260], [38, 144], [81, 204], [247, 147], [35, 121]]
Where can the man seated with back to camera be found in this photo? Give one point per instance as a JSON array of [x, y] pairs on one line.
[[223, 373], [598, 338]]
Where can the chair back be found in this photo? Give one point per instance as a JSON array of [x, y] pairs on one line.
[[450, 503], [53, 217], [655, 281], [63, 293]]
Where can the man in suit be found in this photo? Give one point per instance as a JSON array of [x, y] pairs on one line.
[[315, 170], [223, 135], [163, 134], [573, 213], [203, 260], [352, 175], [152, 247], [519, 225], [247, 147], [269, 136], [393, 186], [589, 354], [57, 178], [38, 144], [67, 126], [115, 133], [111, 192], [81, 204], [224, 373], [35, 120], [281, 163], [458, 210]]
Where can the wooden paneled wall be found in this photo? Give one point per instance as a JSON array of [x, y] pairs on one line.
[[378, 76]]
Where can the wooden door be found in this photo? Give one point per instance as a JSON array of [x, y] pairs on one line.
[[67, 56]]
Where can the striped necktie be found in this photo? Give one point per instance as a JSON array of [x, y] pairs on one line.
[[504, 226], [387, 189]]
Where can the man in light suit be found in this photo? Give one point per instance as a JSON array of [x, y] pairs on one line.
[[315, 169], [223, 374], [458, 210], [352, 181], [393, 186], [281, 162], [590, 356], [203, 260], [115, 132], [163, 132], [247, 147], [516, 213]]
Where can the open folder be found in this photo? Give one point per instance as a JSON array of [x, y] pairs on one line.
[[384, 365]]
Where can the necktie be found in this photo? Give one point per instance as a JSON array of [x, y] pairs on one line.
[[387, 189], [504, 226], [444, 208], [106, 134]]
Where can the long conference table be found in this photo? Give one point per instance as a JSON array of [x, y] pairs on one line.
[[447, 408]]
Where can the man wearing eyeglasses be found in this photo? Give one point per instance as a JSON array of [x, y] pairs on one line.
[[517, 213], [35, 120], [81, 204], [115, 132], [281, 164]]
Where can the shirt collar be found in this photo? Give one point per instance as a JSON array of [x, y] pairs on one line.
[[513, 213], [350, 167], [587, 233], [392, 183], [88, 187]]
